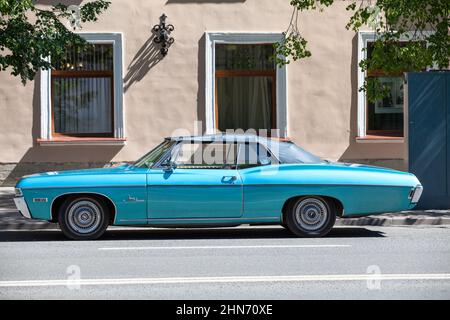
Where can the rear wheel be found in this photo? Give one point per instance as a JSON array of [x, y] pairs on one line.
[[311, 216], [83, 218]]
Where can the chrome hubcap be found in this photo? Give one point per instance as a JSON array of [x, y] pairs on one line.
[[84, 217], [311, 214]]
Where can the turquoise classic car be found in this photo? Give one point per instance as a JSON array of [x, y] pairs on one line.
[[216, 180]]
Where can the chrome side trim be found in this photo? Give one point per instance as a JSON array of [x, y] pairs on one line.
[[199, 219], [321, 184], [21, 205], [86, 187], [210, 185], [275, 185]]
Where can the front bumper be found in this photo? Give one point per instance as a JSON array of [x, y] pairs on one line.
[[22, 207]]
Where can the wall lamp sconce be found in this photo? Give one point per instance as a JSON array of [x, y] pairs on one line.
[[163, 34]]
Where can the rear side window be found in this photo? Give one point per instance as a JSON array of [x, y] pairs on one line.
[[289, 152], [254, 155]]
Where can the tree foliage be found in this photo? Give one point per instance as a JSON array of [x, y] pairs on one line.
[[420, 26], [28, 34]]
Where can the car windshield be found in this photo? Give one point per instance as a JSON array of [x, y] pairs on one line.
[[288, 152], [149, 159]]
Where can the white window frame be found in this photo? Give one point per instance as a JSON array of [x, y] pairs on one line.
[[46, 109], [364, 37], [242, 38]]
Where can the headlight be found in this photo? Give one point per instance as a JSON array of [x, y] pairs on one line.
[[18, 192], [416, 193]]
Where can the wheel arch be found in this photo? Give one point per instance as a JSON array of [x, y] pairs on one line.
[[59, 200], [337, 203]]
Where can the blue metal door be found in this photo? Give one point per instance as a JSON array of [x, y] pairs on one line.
[[429, 136]]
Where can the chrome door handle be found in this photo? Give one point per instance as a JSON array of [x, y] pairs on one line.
[[228, 179]]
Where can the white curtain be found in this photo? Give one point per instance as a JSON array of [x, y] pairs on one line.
[[245, 102], [82, 105]]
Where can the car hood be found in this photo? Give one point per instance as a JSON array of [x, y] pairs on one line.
[[86, 177], [110, 170]]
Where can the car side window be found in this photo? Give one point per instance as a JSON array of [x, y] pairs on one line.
[[205, 155], [253, 155]]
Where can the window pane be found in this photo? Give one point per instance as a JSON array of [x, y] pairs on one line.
[[154, 155], [97, 57], [253, 155], [205, 155], [82, 105], [289, 152], [245, 102], [244, 57], [387, 114]]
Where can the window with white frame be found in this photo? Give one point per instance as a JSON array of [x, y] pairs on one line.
[[244, 87], [385, 117], [82, 96]]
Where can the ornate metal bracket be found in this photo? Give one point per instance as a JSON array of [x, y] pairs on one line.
[[163, 34]]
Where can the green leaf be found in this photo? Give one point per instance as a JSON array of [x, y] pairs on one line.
[[28, 35]]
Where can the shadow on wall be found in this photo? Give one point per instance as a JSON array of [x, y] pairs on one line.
[[357, 152], [51, 158], [145, 59], [201, 103], [352, 145]]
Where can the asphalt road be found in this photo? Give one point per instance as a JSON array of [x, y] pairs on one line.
[[234, 263]]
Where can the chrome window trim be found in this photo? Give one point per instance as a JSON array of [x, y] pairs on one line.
[[268, 150], [158, 164]]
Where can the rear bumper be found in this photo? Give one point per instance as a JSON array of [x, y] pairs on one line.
[[21, 205]]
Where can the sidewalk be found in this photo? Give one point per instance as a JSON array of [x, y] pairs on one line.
[[10, 219]]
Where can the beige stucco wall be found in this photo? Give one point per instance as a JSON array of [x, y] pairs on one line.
[[168, 94]]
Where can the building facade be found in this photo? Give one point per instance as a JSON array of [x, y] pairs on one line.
[[117, 100]]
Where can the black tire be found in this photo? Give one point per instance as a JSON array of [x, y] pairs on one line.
[[83, 218], [311, 216]]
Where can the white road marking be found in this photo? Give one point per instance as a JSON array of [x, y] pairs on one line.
[[231, 247], [247, 279]]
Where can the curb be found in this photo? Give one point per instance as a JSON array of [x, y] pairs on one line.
[[23, 224], [7, 191], [380, 221]]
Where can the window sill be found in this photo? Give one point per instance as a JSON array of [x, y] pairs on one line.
[[72, 141], [379, 139]]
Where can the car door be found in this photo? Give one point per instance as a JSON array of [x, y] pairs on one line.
[[197, 181], [258, 170]]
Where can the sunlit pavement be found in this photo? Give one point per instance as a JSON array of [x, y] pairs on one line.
[[232, 263], [11, 219], [352, 262]]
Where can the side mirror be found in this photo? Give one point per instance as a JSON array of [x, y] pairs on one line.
[[168, 166], [265, 161]]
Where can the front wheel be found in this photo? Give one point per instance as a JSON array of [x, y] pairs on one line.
[[311, 216], [83, 218]]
